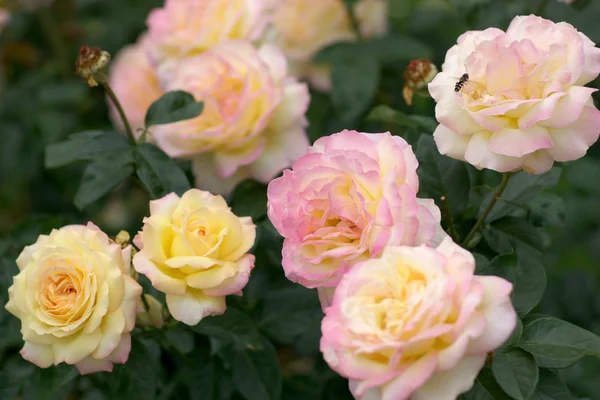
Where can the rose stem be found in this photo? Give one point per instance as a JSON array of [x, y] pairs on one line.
[[495, 197], [117, 104], [448, 217]]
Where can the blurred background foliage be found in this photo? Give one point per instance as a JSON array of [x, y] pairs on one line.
[[42, 101]]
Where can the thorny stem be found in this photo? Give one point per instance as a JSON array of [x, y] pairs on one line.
[[495, 197], [448, 217], [56, 41], [117, 104]]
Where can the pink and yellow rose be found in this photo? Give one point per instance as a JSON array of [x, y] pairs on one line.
[[415, 323], [525, 105], [74, 297], [183, 28], [194, 249], [302, 28], [352, 195], [253, 123]]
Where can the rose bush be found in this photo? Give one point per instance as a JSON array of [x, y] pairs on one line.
[[194, 249], [352, 195], [527, 106], [416, 323], [253, 123], [75, 299]]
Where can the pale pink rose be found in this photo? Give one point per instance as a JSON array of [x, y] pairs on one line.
[[194, 249], [184, 28], [322, 23], [525, 105], [352, 195], [134, 81], [416, 323], [566, 1], [75, 299], [253, 122]]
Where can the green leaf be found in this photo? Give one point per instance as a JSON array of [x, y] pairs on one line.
[[550, 387], [143, 369], [355, 79], [511, 229], [85, 146], [485, 388], [289, 312], [252, 358], [516, 372], [547, 210], [249, 199], [520, 190], [102, 175], [557, 341], [394, 48], [442, 176], [256, 372], [389, 115], [160, 174], [173, 107], [527, 276], [203, 378]]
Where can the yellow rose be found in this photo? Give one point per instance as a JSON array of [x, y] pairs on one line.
[[193, 248], [75, 300]]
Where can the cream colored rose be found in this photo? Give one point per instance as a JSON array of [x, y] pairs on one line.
[[302, 28], [183, 28], [253, 123], [194, 249], [75, 300]]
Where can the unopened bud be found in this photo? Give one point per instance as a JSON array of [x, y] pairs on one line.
[[417, 76], [123, 238], [92, 65], [153, 316]]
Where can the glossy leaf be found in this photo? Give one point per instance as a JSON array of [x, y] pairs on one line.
[[159, 173], [172, 107], [85, 146], [516, 372], [102, 175], [550, 387], [558, 341], [527, 276]]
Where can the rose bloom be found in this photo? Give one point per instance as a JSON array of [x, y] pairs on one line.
[[416, 323], [352, 195], [525, 105], [134, 81], [321, 24], [193, 248], [75, 299], [253, 122], [184, 28]]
